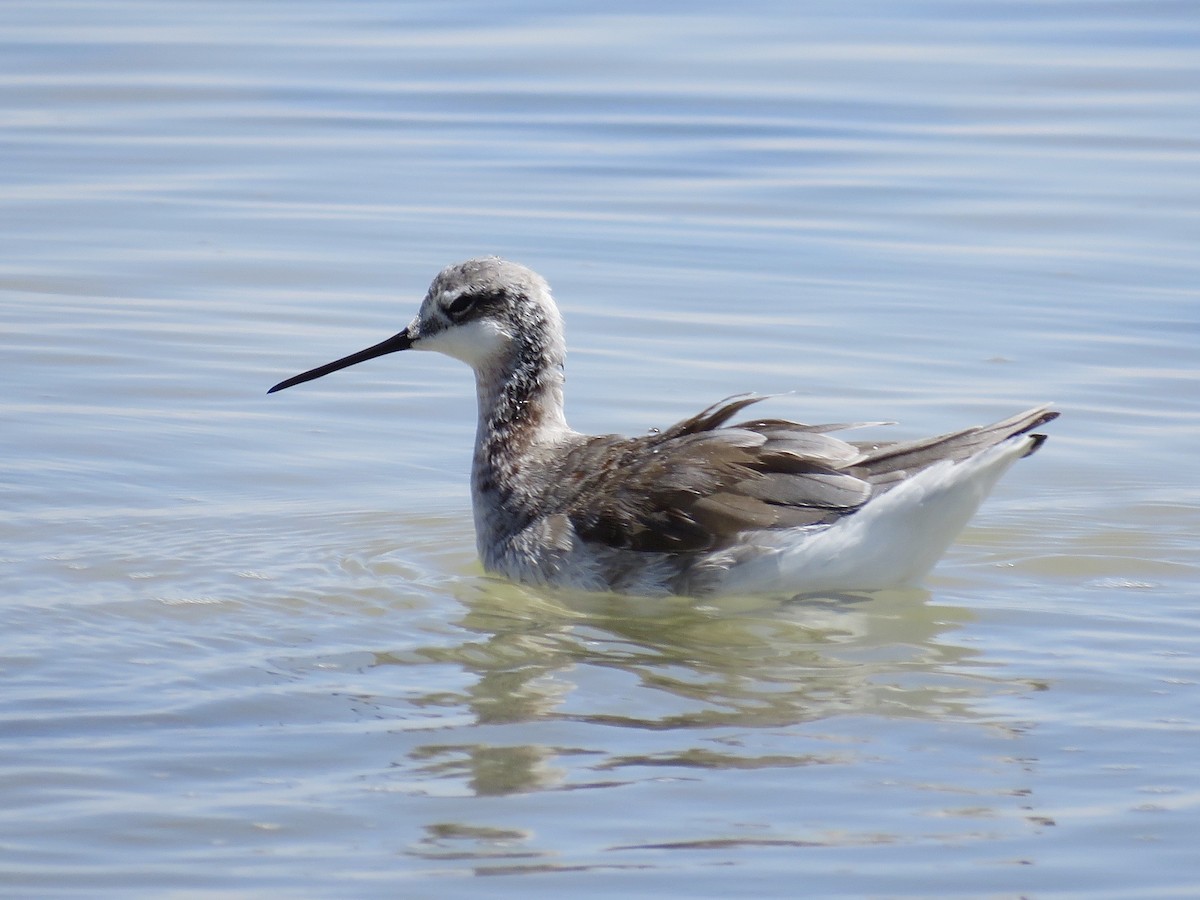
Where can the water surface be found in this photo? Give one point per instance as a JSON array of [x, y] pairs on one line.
[[246, 644]]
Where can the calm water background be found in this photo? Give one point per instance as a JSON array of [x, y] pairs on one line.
[[245, 643]]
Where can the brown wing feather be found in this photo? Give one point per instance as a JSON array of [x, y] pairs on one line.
[[887, 464], [697, 485]]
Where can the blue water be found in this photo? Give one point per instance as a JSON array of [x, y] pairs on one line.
[[246, 645]]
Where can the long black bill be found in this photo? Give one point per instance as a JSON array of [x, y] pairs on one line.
[[401, 341]]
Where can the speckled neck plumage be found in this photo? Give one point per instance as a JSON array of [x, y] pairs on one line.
[[520, 407], [521, 396]]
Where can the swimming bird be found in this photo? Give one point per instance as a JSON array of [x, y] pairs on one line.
[[701, 508]]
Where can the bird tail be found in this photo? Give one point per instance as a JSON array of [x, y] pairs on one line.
[[895, 538]]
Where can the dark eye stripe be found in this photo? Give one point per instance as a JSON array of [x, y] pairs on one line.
[[468, 304], [459, 306]]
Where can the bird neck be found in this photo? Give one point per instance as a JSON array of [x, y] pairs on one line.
[[520, 402], [520, 414]]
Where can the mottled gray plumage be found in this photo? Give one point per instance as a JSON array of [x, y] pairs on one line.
[[682, 510]]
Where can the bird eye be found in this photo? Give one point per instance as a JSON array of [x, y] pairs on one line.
[[459, 306]]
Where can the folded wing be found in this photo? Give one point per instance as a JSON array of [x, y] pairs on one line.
[[700, 483]]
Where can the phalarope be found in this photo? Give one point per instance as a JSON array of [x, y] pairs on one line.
[[700, 508]]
